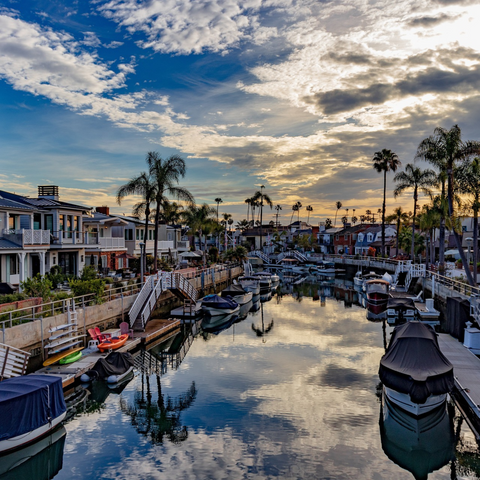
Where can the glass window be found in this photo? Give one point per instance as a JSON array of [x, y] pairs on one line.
[[13, 264], [11, 223], [62, 222], [69, 222], [138, 234], [37, 221], [75, 223], [49, 222]]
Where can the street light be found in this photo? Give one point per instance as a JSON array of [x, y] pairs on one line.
[[142, 249]]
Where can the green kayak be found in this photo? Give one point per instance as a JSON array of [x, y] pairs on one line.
[[73, 357]]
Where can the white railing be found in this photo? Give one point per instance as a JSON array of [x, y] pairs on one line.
[[112, 242], [259, 254], [452, 284], [13, 362], [185, 286], [293, 253], [416, 270], [183, 245], [31, 237], [141, 299], [475, 307], [165, 245], [152, 299]]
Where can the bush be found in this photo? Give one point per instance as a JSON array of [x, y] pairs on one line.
[[61, 296], [56, 276], [88, 273], [12, 297], [108, 280], [85, 287], [38, 286]]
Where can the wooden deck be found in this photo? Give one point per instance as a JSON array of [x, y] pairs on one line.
[[466, 369]]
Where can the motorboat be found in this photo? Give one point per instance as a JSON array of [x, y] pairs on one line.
[[30, 407], [427, 312], [250, 284], [218, 323], [238, 293], [293, 265], [358, 279], [265, 282], [113, 368], [416, 376], [377, 290], [274, 278], [399, 309], [420, 445], [215, 305]]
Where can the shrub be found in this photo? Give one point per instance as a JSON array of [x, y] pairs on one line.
[[56, 276], [12, 297], [85, 287], [38, 286], [88, 273]]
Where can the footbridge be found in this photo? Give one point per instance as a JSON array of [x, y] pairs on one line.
[[155, 285]]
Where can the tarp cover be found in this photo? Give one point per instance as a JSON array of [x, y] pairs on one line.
[[115, 363], [29, 402], [414, 363], [400, 303], [233, 290], [218, 302]]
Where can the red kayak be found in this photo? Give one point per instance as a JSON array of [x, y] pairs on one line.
[[113, 343]]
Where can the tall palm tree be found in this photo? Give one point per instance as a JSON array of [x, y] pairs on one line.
[[309, 209], [429, 220], [262, 197], [416, 179], [144, 186], [253, 205], [339, 206], [398, 216], [166, 175], [218, 201], [248, 201], [299, 206], [294, 209], [385, 161], [448, 145], [278, 208], [469, 182], [200, 219]]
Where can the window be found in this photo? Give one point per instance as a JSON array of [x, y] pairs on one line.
[[150, 234], [13, 264], [129, 234], [360, 237], [338, 237], [62, 222], [11, 223], [137, 234], [49, 222], [75, 223], [369, 237], [37, 221], [120, 262], [345, 237], [69, 222]]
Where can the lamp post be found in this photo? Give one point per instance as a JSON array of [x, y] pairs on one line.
[[142, 258]]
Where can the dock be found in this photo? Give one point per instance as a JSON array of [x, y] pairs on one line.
[[466, 369], [156, 329]]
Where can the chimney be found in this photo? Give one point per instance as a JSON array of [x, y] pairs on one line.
[[104, 209], [48, 191]]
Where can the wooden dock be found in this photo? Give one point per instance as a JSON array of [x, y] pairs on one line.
[[466, 369], [155, 329]]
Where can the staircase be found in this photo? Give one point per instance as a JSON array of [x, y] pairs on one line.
[[401, 272], [293, 254], [13, 362], [261, 255], [155, 285], [415, 271], [475, 307]]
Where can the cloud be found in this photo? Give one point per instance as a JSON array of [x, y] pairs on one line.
[[428, 21]]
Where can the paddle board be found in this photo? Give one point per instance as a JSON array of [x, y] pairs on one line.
[[59, 356]]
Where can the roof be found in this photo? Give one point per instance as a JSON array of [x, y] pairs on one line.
[[41, 202], [98, 217], [133, 220], [6, 203], [8, 244]]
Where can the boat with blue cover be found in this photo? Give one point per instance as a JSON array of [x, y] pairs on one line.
[[216, 305], [30, 407]]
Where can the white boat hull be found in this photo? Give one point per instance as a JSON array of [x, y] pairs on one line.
[[220, 311], [119, 378], [243, 299], [403, 401], [24, 439], [254, 289]]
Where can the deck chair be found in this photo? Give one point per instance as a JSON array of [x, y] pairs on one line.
[[125, 329], [102, 337]]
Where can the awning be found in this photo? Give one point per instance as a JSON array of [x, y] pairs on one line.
[[189, 255]]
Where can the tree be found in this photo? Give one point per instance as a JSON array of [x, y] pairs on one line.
[[171, 212], [200, 220], [278, 208], [448, 145], [398, 216], [328, 223], [428, 220], [385, 161], [309, 209], [248, 201], [469, 183], [144, 186], [243, 225], [262, 197], [339, 206], [299, 206], [416, 179], [166, 175]]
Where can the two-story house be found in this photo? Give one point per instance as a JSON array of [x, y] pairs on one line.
[[344, 240]]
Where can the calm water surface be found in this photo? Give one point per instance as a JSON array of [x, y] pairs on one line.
[[291, 391]]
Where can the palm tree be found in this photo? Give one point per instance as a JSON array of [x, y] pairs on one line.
[[218, 201], [144, 186], [277, 208], [448, 145], [248, 201], [339, 206], [417, 179], [309, 209], [166, 175], [243, 225], [253, 204], [469, 182], [200, 220], [429, 219], [171, 212], [262, 197], [385, 161], [398, 216], [294, 209]]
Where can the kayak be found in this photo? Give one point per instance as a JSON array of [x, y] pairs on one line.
[[73, 357], [113, 343]]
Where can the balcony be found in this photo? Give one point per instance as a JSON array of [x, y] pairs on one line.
[[183, 246], [27, 237], [68, 238], [165, 245], [112, 242]]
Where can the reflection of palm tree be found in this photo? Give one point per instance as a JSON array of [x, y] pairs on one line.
[[161, 418], [261, 332]]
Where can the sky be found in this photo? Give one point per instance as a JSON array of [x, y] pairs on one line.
[[296, 95]]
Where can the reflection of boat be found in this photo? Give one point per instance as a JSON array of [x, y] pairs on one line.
[[218, 323], [41, 460], [377, 290], [215, 305], [237, 293], [419, 445], [113, 368], [30, 407], [255, 306], [250, 284], [415, 374], [244, 309], [265, 297]]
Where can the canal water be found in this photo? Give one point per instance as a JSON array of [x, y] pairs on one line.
[[290, 391]]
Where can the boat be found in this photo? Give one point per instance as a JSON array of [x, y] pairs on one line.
[[358, 280], [113, 343], [399, 309], [427, 312], [250, 284], [238, 293], [416, 376], [293, 265], [218, 323], [113, 368], [215, 305], [377, 291], [267, 279], [73, 357], [420, 445], [30, 407]]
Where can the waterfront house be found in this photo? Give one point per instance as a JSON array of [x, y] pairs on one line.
[[325, 238], [344, 239]]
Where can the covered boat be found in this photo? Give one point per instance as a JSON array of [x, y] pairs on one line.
[[238, 293], [215, 305], [415, 374], [113, 368], [377, 290], [250, 284], [30, 407]]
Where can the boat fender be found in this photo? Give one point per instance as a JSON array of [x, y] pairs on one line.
[[89, 376]]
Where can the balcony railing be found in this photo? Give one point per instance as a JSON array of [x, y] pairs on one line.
[[112, 242], [165, 245], [183, 245], [27, 236], [68, 238]]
